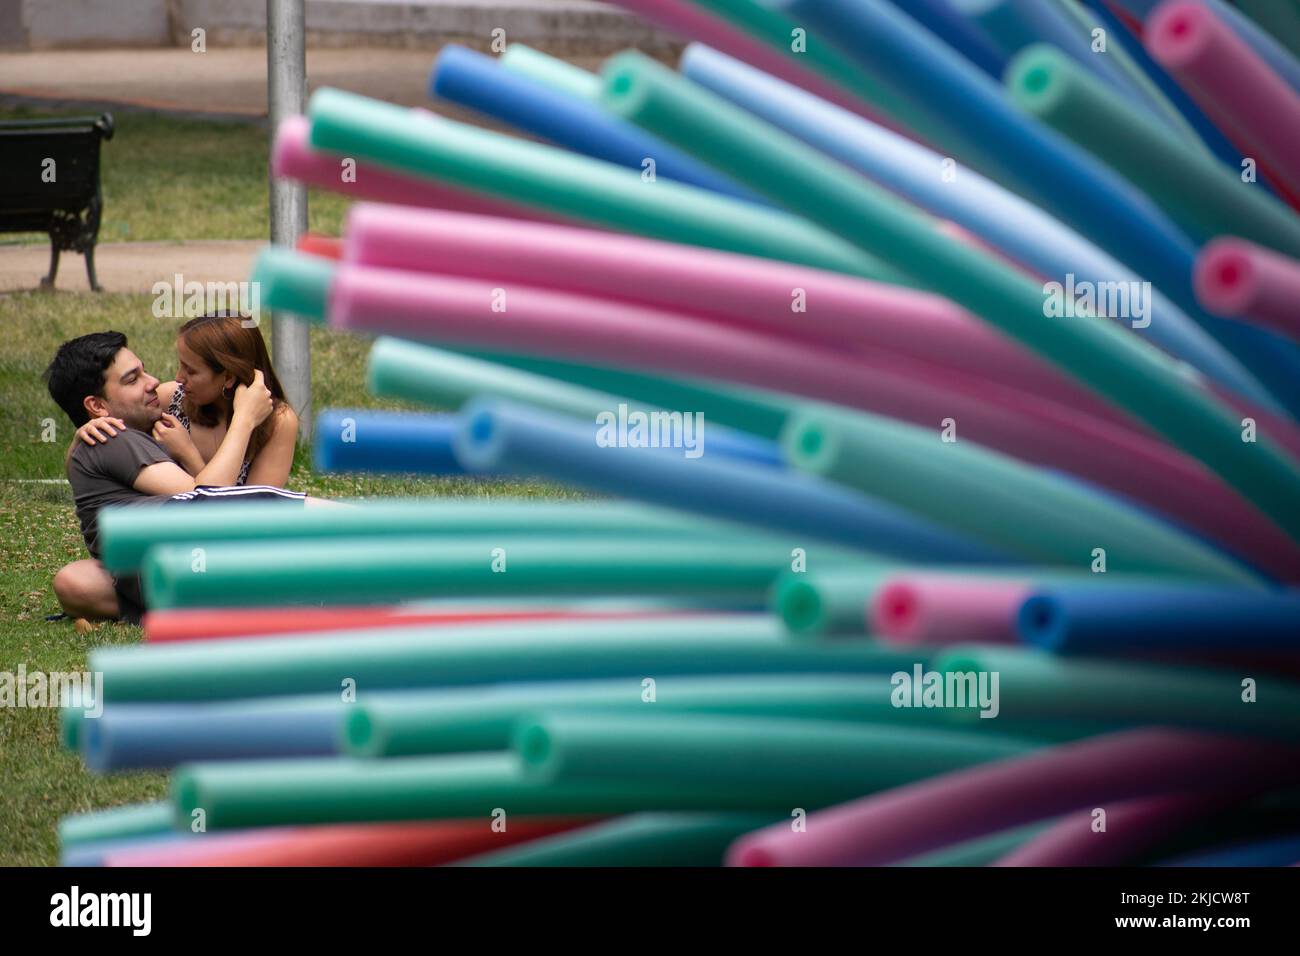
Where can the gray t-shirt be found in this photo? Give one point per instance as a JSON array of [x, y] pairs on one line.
[[103, 474]]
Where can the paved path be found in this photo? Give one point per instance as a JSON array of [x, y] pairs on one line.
[[130, 266], [228, 82]]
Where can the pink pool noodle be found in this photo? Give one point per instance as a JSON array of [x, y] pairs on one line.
[[954, 807], [1238, 90], [1131, 827], [1238, 278], [934, 609], [458, 311], [293, 158], [840, 310]]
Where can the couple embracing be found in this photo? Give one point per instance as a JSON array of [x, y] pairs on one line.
[[221, 431]]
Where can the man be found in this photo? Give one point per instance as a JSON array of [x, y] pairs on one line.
[[97, 376]]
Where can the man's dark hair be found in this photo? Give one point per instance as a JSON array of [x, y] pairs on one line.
[[78, 370]]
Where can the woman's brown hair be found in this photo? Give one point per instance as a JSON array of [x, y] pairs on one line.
[[227, 345]]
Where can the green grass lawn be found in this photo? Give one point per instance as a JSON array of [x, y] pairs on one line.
[[163, 179], [40, 782]]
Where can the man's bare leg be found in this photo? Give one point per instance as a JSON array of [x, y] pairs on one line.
[[85, 589]]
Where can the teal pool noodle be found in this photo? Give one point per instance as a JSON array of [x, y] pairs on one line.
[[126, 533], [463, 720], [428, 657], [382, 570]]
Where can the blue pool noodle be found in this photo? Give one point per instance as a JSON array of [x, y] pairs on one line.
[[1015, 24], [94, 852], [1042, 164], [140, 736], [1004, 219], [957, 30], [1274, 851], [500, 436], [1100, 620], [420, 443], [478, 82], [360, 440]]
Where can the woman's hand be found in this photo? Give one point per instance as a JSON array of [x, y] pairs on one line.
[[253, 402], [100, 430], [175, 438]]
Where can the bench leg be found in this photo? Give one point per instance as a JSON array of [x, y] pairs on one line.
[[90, 270], [48, 281]]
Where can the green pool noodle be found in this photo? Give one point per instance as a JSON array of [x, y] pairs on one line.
[[343, 789], [1034, 686], [828, 602], [1023, 510], [484, 719], [1115, 49], [551, 72], [1279, 18], [70, 719], [757, 411], [749, 753], [1100, 354], [432, 657], [380, 570], [126, 534], [576, 187], [640, 839], [1200, 193], [441, 378], [981, 851], [136, 819]]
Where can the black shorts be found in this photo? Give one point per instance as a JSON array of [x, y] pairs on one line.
[[130, 598], [130, 595]]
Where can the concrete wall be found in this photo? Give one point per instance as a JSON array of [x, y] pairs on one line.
[[560, 26], [54, 24]]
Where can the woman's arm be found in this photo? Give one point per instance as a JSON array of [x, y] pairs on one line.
[[275, 460], [252, 405]]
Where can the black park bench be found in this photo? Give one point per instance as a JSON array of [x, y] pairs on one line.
[[49, 182]]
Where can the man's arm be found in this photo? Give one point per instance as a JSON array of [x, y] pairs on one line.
[[163, 478]]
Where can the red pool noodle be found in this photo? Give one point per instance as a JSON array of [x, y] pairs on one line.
[[197, 624], [379, 844], [954, 807], [327, 247], [1236, 278]]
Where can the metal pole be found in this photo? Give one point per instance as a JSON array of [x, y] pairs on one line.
[[286, 88]]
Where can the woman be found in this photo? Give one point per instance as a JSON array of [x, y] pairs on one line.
[[216, 354]]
